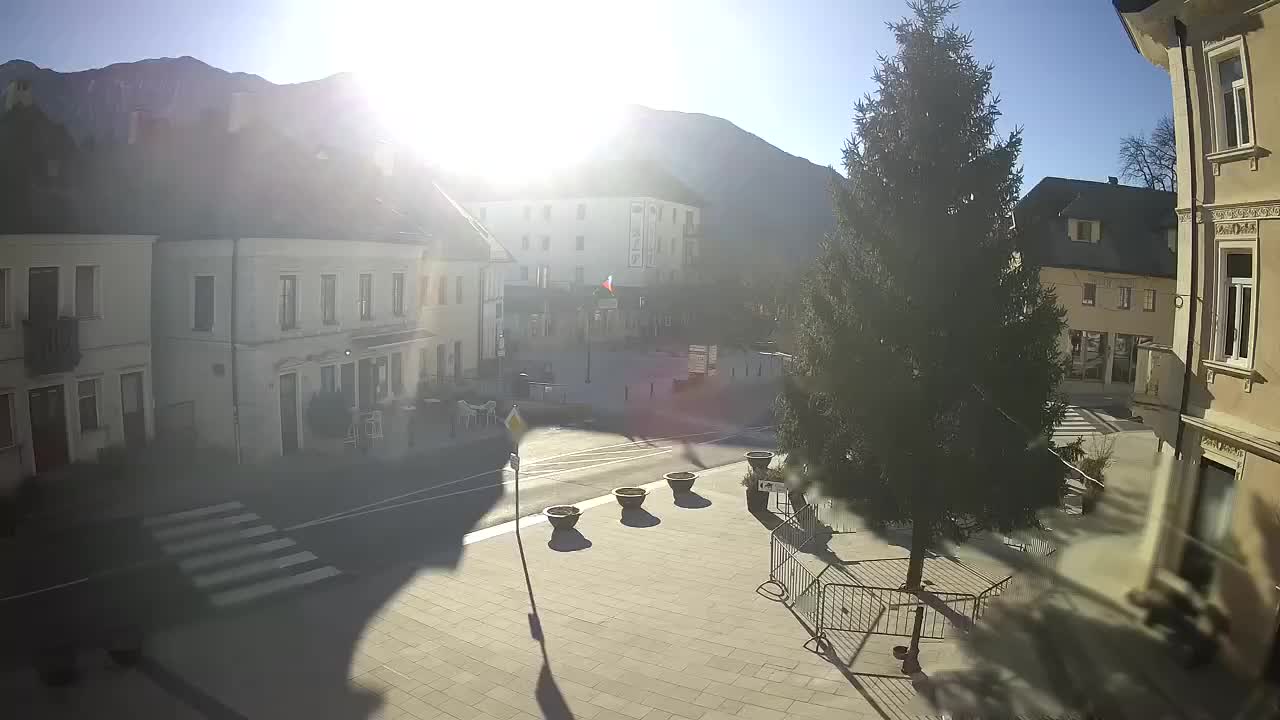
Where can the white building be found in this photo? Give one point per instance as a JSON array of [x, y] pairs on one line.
[[249, 329], [75, 349], [567, 236]]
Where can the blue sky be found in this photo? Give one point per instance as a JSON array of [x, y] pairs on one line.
[[788, 72]]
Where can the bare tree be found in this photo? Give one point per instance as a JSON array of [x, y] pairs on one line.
[[1151, 160]]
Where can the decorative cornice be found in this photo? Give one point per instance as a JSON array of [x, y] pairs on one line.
[[1222, 447], [1261, 210], [1239, 228]]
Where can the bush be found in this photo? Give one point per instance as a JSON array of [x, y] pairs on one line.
[[328, 415]]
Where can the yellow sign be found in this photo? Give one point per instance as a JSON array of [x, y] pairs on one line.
[[516, 424]]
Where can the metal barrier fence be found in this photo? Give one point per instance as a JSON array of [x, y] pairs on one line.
[[891, 611], [1020, 587], [799, 586]]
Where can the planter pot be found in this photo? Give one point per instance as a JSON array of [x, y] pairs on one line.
[[680, 482], [759, 459], [757, 500], [630, 498], [562, 517], [900, 651]]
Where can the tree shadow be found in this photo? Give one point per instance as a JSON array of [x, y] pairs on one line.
[[769, 519], [638, 518], [691, 500], [568, 540]]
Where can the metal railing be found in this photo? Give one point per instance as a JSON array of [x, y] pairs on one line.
[[799, 588], [1020, 587], [891, 611]]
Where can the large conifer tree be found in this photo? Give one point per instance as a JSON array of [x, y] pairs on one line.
[[929, 360]]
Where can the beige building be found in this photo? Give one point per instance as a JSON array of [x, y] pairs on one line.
[[1108, 251], [1214, 392]]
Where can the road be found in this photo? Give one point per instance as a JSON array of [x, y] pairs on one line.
[[335, 525]]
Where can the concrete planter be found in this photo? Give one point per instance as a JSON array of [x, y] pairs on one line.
[[630, 498], [759, 459], [757, 500], [680, 482], [562, 517]]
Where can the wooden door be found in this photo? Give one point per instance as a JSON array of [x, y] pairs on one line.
[[48, 427]]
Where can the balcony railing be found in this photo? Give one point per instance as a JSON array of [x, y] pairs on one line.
[[51, 345], [1158, 377]]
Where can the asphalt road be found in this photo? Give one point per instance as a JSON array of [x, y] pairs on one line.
[[337, 524]]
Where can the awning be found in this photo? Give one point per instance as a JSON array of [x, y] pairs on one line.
[[389, 339]]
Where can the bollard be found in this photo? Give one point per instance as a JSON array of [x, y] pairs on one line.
[[650, 389], [733, 372], [626, 393]]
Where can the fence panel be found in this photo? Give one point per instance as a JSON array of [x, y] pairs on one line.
[[800, 588], [891, 611]]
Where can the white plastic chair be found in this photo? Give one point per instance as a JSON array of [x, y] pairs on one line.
[[466, 414], [373, 424]]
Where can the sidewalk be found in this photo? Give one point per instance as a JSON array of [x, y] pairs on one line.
[[649, 620]]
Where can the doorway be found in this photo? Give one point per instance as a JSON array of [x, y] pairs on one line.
[[133, 409], [347, 381], [289, 413], [457, 359], [48, 427], [364, 396]]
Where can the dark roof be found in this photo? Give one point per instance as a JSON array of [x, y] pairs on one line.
[[626, 175], [1133, 221]]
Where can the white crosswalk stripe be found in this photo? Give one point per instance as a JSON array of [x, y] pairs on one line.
[[1074, 424], [232, 555]]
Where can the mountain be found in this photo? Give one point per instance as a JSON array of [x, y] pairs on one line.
[[761, 201]]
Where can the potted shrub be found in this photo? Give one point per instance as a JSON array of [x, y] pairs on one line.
[[562, 517], [681, 482], [757, 499], [630, 498], [1094, 464]]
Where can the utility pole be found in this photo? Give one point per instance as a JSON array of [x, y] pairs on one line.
[[588, 337]]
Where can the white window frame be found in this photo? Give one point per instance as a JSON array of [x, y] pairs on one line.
[[297, 321], [7, 406], [1226, 247], [1084, 297], [96, 381], [364, 308], [214, 302], [397, 298], [1125, 300], [337, 293], [95, 292], [1214, 55], [1149, 293], [1095, 230], [6, 302]]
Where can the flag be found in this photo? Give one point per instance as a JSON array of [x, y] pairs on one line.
[[608, 284]]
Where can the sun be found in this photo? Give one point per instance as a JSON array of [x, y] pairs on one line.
[[502, 89]]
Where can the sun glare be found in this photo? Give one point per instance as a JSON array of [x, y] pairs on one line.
[[505, 90]]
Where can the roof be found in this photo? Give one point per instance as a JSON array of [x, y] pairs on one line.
[[1133, 222], [619, 176]]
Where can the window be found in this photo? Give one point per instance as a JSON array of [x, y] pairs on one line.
[[86, 291], [424, 291], [1148, 300], [1236, 300], [579, 243], [457, 290], [442, 291], [582, 211], [1090, 294], [544, 276], [1230, 93], [423, 368], [202, 302], [7, 439], [366, 296], [397, 374], [1210, 520], [1088, 354], [673, 246], [87, 391], [4, 301], [397, 294], [524, 242], [1088, 231], [524, 272], [329, 299], [528, 212], [546, 212], [579, 274], [328, 380], [688, 217], [1126, 298], [1124, 359], [546, 242], [288, 302]]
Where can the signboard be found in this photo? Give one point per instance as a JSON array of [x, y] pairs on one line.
[[515, 425], [771, 486], [502, 345], [607, 303], [635, 250], [702, 359], [515, 462], [713, 353], [650, 235]]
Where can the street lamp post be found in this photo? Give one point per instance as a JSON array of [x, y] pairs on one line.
[[588, 336]]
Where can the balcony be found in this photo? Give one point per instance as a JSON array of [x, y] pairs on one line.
[[51, 345], [1158, 377]]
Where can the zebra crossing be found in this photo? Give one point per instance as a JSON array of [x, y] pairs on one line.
[[1076, 423], [232, 556]]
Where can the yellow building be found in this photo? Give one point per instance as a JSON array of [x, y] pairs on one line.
[[1107, 250], [1213, 533]]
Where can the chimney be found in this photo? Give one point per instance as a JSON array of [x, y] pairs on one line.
[[242, 111], [139, 125], [384, 156], [17, 94], [1113, 180]]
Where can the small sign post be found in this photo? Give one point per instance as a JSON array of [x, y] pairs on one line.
[[771, 486]]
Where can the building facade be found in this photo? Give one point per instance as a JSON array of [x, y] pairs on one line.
[[1213, 533], [1108, 251], [75, 349], [640, 228]]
